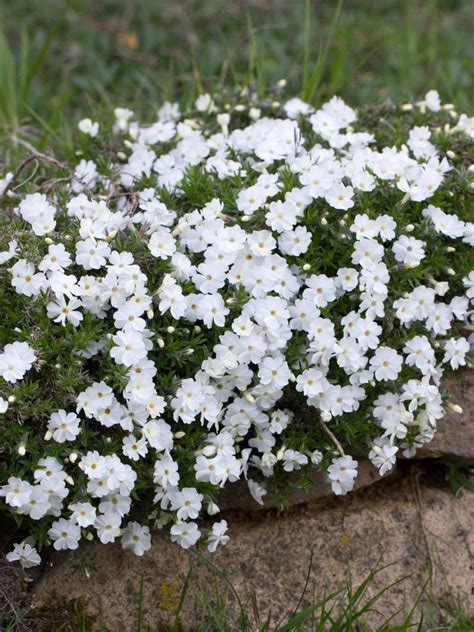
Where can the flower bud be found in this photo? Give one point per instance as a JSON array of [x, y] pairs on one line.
[[249, 397], [48, 435], [11, 399], [170, 329], [212, 509], [150, 313], [325, 416], [281, 452], [21, 450], [179, 435], [455, 408], [407, 107], [160, 342], [69, 480], [255, 113], [306, 267], [73, 457]]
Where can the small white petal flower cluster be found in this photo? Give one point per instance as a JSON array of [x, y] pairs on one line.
[[248, 270]]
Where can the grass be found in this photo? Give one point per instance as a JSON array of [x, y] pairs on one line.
[[67, 59], [353, 607]]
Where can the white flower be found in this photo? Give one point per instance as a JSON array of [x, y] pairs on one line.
[[65, 534], [186, 534], [217, 536], [86, 126], [342, 473], [187, 503], [455, 352], [129, 349], [136, 538], [83, 513], [108, 526], [17, 358], [64, 426], [386, 364], [26, 554]]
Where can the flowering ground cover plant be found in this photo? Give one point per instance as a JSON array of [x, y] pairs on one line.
[[236, 292]]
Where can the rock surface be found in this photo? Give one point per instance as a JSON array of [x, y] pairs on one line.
[[455, 434], [410, 520], [236, 496]]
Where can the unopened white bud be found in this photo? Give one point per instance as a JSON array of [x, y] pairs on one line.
[[18, 330], [212, 509], [188, 352], [306, 267], [455, 408], [470, 169], [197, 329], [170, 329], [160, 342], [246, 218], [73, 457], [450, 154], [150, 313], [450, 249], [109, 336], [450, 271], [281, 83], [48, 240], [407, 107], [121, 155], [231, 300], [281, 452], [239, 107], [249, 397], [179, 435], [255, 113], [11, 399], [57, 366], [48, 435], [69, 479], [325, 416], [324, 221], [411, 266], [275, 104], [21, 450], [209, 450], [409, 228], [89, 536]]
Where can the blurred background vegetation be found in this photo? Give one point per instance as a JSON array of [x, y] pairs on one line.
[[63, 59]]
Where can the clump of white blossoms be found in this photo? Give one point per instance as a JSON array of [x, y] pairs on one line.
[[228, 294]]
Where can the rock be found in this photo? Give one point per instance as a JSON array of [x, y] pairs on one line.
[[412, 522], [237, 496], [455, 434]]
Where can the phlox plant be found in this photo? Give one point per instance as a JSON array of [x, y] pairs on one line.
[[242, 291]]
